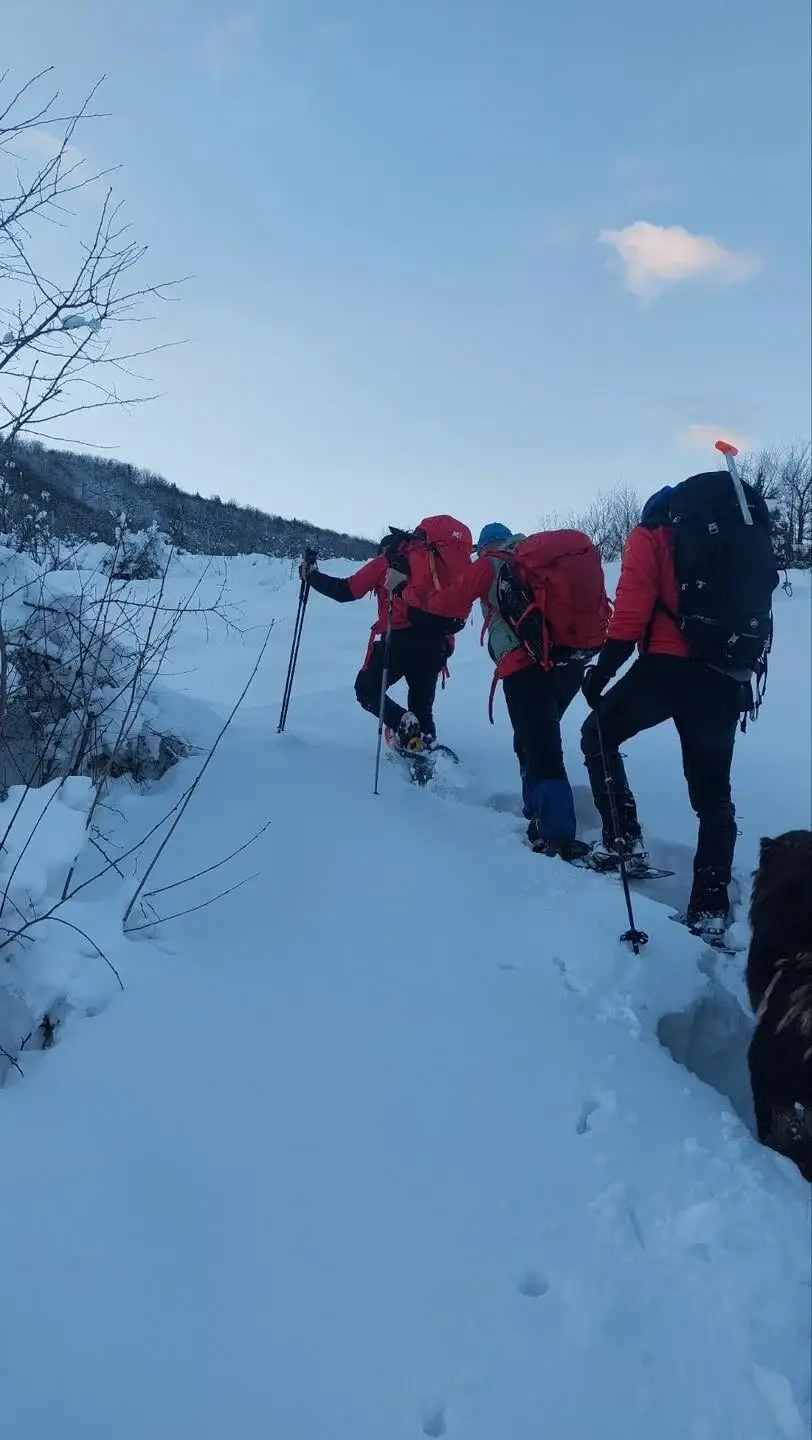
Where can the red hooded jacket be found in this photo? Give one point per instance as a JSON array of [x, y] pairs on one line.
[[646, 576]]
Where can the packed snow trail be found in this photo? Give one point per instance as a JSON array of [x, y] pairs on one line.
[[385, 1144]]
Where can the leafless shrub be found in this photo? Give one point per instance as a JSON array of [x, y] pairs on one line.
[[607, 520], [63, 305], [782, 474]]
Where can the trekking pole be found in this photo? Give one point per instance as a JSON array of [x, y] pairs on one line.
[[387, 646], [730, 452], [304, 594], [632, 936]]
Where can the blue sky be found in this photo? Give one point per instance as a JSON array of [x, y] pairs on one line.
[[483, 256]]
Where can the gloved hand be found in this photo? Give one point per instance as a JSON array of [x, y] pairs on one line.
[[614, 654], [593, 685], [305, 569], [395, 580]]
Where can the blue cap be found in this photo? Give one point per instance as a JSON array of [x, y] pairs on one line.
[[656, 504], [491, 534]]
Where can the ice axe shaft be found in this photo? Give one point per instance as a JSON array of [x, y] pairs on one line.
[[730, 452]]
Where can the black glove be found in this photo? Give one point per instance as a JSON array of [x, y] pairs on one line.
[[593, 685], [306, 568], [614, 654]]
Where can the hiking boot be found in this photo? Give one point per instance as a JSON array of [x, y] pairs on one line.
[[409, 736], [709, 899], [708, 927], [604, 855], [708, 913], [567, 849]]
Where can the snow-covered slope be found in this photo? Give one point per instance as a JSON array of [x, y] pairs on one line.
[[389, 1142]]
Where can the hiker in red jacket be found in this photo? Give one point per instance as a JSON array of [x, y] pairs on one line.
[[420, 644], [664, 683], [536, 694]]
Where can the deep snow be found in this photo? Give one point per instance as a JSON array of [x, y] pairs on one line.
[[386, 1143]]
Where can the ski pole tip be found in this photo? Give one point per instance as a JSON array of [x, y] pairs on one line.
[[725, 447]]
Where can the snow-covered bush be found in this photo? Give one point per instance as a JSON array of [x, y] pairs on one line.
[[137, 555], [81, 661], [42, 831], [80, 707]]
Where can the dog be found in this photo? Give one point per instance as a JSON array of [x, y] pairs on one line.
[[779, 983]]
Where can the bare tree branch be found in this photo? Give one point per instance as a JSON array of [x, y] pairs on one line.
[[62, 306]]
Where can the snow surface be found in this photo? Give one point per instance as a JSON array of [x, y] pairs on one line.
[[392, 1141]]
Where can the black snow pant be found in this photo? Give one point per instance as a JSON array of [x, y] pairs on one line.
[[536, 699], [415, 656], [705, 707]]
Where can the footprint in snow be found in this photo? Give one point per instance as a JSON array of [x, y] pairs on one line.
[[588, 1109], [434, 1423], [533, 1285], [561, 967]]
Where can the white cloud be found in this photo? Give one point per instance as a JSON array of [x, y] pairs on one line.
[[656, 256], [42, 145], [224, 43], [704, 437]]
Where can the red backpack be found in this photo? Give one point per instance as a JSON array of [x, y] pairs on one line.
[[551, 592], [436, 554]]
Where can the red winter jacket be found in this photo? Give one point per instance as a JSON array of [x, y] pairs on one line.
[[366, 580], [458, 598], [371, 577], [646, 576]]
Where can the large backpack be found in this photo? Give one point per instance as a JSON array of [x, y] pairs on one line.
[[433, 556], [726, 571], [550, 590]]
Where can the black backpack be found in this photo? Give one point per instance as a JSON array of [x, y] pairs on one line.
[[726, 571]]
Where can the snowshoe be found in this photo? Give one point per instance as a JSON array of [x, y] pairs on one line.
[[604, 858], [435, 748], [420, 753], [710, 928]]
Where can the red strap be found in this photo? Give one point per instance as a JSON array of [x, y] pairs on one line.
[[374, 632]]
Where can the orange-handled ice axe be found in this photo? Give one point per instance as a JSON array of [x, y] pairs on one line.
[[730, 452]]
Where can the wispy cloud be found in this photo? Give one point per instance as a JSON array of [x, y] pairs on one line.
[[656, 256], [42, 145], [225, 42], [704, 437]]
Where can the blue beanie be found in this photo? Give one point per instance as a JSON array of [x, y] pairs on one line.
[[491, 534], [656, 507]]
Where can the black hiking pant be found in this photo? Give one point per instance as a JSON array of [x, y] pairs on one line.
[[536, 699], [705, 707], [415, 656]]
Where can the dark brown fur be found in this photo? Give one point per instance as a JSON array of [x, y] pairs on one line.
[[779, 982]]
